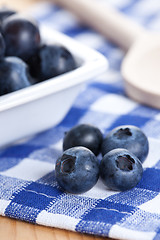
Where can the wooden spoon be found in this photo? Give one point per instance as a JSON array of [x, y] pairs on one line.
[[141, 65]]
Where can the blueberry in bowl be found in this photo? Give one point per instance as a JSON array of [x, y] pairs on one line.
[[77, 170], [85, 135], [120, 170], [51, 60], [14, 75], [21, 35], [21, 38], [129, 137]]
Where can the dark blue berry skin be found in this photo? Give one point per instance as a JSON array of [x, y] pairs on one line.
[[2, 47], [55, 60], [85, 135], [22, 37], [128, 137], [77, 170], [14, 75], [120, 170], [51, 61]]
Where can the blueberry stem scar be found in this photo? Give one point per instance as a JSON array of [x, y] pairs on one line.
[[125, 163], [68, 164], [122, 132]]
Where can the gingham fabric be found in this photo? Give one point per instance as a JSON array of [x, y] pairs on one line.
[[28, 189]]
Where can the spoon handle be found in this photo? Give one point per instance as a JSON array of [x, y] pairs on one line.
[[106, 20]]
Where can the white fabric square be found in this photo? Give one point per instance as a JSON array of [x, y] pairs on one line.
[[149, 7], [117, 3], [45, 154], [153, 154], [119, 232], [30, 170], [152, 206], [152, 128], [91, 39], [3, 206], [99, 191], [57, 220], [57, 145], [62, 19], [111, 76], [157, 117], [103, 120], [114, 104]]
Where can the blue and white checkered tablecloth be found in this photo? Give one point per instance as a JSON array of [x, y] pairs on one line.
[[28, 190]]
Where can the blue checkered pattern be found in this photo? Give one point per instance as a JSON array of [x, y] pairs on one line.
[[28, 189]]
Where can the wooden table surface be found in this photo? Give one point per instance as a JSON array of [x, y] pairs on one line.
[[11, 229]]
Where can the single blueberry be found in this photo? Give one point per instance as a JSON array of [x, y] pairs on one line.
[[50, 61], [85, 135], [120, 170], [21, 36], [77, 170], [14, 75], [128, 137]]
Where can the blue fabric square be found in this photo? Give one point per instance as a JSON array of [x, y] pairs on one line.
[[8, 162], [157, 237], [13, 155], [104, 215], [49, 137], [19, 151], [145, 111], [10, 186], [73, 117], [134, 197], [109, 88], [22, 212], [111, 212], [150, 180], [130, 120], [37, 195], [75, 31]]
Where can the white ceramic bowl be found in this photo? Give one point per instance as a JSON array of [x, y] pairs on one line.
[[42, 106]]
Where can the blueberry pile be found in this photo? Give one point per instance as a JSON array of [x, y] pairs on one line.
[[24, 58], [123, 151]]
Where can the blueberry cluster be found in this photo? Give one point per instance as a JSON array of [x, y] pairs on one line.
[[24, 59], [123, 150]]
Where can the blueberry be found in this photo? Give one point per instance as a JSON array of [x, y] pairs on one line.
[[14, 75], [120, 170], [128, 137], [2, 47], [50, 61], [77, 170], [85, 135], [21, 36]]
